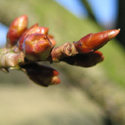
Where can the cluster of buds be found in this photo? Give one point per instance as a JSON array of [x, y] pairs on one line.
[[25, 48]]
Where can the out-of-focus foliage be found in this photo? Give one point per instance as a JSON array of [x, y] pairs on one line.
[[31, 105], [89, 10]]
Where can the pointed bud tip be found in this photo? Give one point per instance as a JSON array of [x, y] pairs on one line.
[[119, 29], [23, 17], [55, 80], [55, 73], [113, 33]]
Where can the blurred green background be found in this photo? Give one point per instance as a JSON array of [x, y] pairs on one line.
[[86, 96]]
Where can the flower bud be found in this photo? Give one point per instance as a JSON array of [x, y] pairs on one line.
[[42, 75], [37, 47], [16, 29], [34, 29], [94, 41]]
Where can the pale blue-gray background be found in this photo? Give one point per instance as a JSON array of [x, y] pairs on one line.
[[105, 12]]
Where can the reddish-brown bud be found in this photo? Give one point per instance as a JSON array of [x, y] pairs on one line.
[[34, 29], [94, 41], [85, 60], [16, 29], [42, 75], [37, 47]]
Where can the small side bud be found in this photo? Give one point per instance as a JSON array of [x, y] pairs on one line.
[[37, 47], [16, 29], [42, 75], [94, 41], [85, 60]]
